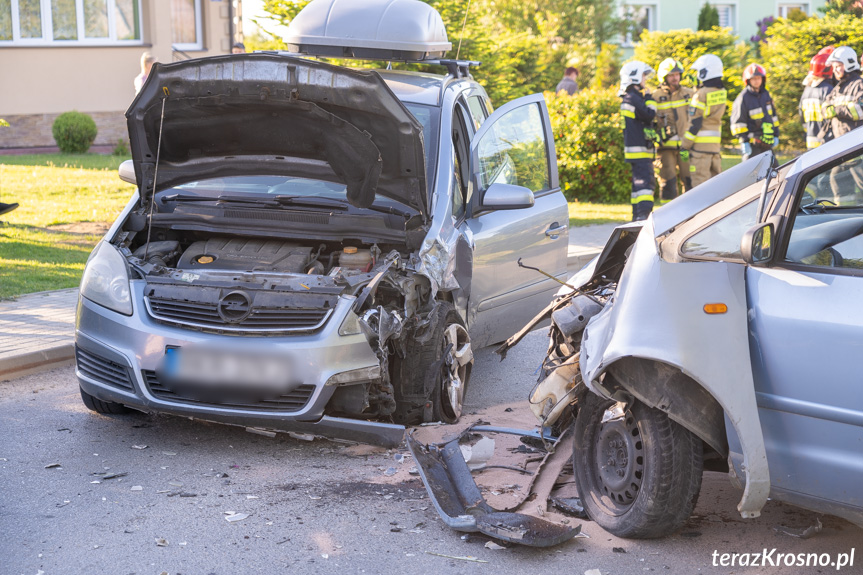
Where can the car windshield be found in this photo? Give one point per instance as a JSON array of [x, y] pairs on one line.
[[272, 185]]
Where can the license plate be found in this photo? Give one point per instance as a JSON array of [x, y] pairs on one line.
[[216, 373]]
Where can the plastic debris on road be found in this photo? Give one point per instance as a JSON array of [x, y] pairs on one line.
[[800, 533]]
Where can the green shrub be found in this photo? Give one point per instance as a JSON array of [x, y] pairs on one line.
[[708, 17], [686, 46], [607, 67], [589, 140], [122, 148], [790, 45], [74, 132]]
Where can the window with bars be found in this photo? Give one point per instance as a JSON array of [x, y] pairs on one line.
[[62, 22], [726, 16]]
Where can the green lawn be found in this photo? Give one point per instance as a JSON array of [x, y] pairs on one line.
[[66, 200]]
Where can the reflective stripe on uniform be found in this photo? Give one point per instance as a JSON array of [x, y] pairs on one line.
[[813, 142], [737, 129], [642, 196], [696, 104], [627, 111], [855, 110], [705, 137], [650, 104], [811, 108], [637, 153], [756, 113]]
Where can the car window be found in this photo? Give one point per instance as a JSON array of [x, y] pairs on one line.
[[514, 151], [477, 111], [460, 145], [721, 239], [828, 219], [428, 116]]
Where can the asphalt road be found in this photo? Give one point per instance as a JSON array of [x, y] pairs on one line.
[[312, 507]]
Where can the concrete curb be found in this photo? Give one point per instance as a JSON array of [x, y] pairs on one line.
[[30, 362]]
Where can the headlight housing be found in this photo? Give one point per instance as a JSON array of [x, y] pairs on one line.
[[106, 279]]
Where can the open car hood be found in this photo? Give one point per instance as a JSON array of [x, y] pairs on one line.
[[272, 114]]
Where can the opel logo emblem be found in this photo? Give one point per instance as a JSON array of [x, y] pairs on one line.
[[235, 307]]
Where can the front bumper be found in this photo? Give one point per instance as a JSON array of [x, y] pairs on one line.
[[117, 358]]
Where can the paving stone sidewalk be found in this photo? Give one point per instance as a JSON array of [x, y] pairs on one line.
[[37, 331]]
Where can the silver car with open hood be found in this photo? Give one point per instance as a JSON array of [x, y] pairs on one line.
[[319, 249]]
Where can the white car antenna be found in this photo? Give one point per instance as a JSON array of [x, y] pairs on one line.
[[463, 24]]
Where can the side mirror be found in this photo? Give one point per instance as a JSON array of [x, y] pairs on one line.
[[758, 244], [127, 172], [506, 197]]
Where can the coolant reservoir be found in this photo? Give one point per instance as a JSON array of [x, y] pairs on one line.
[[356, 259]]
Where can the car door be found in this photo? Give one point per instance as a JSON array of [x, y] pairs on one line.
[[514, 145], [806, 336]]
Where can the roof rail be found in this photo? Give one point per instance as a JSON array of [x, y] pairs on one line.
[[456, 68]]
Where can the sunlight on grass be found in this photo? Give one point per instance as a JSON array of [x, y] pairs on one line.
[[588, 214], [34, 257]]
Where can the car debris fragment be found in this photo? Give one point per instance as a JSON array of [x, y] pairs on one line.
[[462, 507], [800, 533]]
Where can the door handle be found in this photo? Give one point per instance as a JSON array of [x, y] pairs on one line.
[[554, 231]]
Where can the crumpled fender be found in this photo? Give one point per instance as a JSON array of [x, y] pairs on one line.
[[657, 314]]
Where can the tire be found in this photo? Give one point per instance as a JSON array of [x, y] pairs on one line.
[[639, 476], [433, 376], [105, 407]]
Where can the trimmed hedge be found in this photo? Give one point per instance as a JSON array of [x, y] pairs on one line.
[[687, 46], [790, 45], [589, 140], [74, 132]]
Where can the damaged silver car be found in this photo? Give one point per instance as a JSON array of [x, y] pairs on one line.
[[318, 249], [722, 333]]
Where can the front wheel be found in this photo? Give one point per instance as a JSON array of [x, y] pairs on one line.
[[638, 472], [433, 375], [105, 407]]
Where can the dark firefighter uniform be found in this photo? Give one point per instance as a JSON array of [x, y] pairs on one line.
[[704, 134], [844, 104], [754, 120], [671, 114], [816, 125], [638, 148]]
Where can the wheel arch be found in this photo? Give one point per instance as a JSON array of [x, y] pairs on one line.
[[670, 390]]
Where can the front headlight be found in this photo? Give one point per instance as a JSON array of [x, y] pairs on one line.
[[106, 279]]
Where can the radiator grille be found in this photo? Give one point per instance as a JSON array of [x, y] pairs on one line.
[[260, 320]]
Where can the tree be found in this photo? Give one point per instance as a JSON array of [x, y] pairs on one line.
[[708, 17], [839, 7]]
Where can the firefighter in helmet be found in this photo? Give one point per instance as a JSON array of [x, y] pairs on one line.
[[753, 115], [672, 102], [819, 84], [704, 133], [844, 105], [639, 135]]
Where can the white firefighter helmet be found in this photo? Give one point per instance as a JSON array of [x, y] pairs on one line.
[[708, 67], [846, 56], [633, 74]]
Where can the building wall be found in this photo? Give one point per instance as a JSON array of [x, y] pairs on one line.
[[682, 14], [40, 83]]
